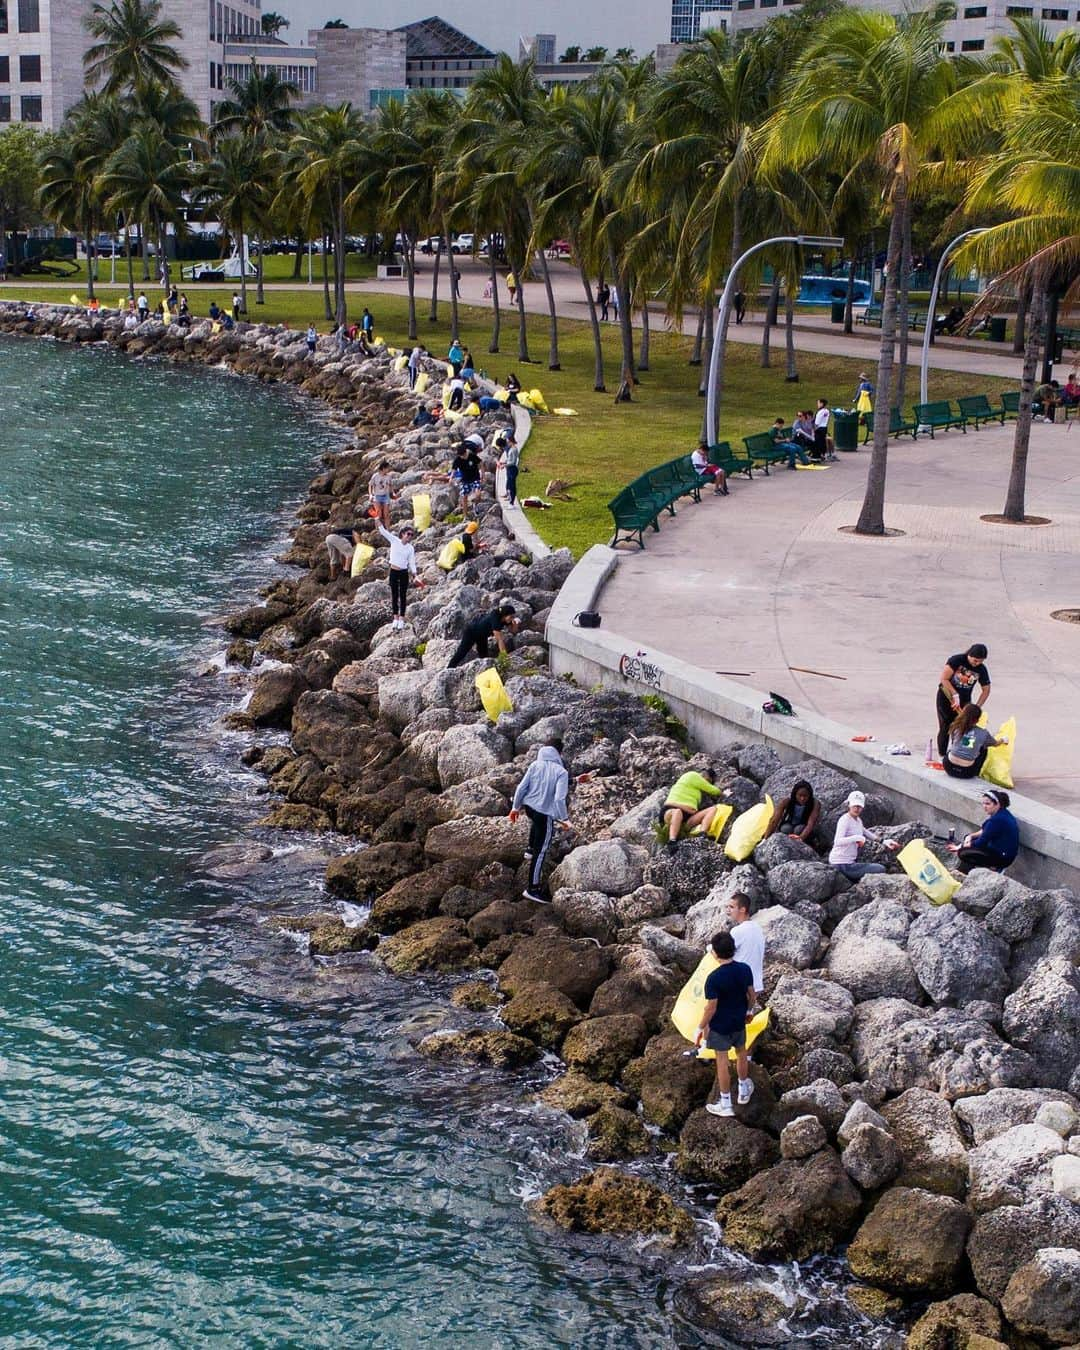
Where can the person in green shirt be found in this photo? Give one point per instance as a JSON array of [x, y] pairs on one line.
[[682, 806]]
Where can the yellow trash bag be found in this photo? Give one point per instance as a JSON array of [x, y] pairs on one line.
[[401, 362], [686, 1015], [362, 554], [422, 381], [421, 511], [503, 395], [451, 553], [473, 410], [493, 694], [450, 370], [716, 826], [927, 872], [997, 767], [74, 299], [564, 412], [166, 316], [445, 393], [538, 400], [525, 400], [749, 830]]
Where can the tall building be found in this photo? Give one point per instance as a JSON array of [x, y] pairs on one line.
[[686, 17]]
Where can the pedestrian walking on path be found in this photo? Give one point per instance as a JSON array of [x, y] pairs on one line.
[[541, 794]]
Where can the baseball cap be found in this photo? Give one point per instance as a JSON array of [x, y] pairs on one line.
[[856, 799]]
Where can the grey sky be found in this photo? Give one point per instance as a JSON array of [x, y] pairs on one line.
[[640, 24]]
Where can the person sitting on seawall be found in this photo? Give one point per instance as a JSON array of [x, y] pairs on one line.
[[961, 674], [682, 806], [541, 794], [965, 753], [797, 815], [513, 387], [792, 447], [494, 624], [730, 999], [996, 845], [851, 835], [709, 473]]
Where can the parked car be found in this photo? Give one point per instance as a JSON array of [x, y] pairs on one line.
[[432, 244], [463, 243]]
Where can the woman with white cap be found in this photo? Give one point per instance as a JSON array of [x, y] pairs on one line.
[[851, 835]]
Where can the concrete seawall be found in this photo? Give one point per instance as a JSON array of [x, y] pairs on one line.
[[717, 710]]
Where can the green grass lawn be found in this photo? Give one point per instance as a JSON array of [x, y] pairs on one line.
[[277, 267], [606, 444]]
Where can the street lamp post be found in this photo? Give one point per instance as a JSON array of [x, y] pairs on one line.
[[804, 241], [928, 332]]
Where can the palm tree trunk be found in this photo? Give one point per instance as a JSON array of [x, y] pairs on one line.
[[452, 264], [849, 302], [298, 259], [706, 349], [626, 330], [519, 300], [243, 271], [594, 323], [260, 297], [327, 307], [340, 309], [144, 246], [409, 256], [433, 313], [770, 319], [1023, 300], [3, 244], [553, 322], [792, 376], [163, 257], [695, 352], [904, 314], [496, 321], [872, 515], [1014, 497], [643, 347]]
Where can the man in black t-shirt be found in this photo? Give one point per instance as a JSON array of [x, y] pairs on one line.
[[478, 633], [730, 997], [956, 687]]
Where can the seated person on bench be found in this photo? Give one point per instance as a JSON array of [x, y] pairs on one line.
[[1046, 400], [783, 442], [709, 472], [950, 322], [1070, 395]]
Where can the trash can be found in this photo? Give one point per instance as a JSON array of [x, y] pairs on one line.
[[845, 429], [997, 328], [836, 314]]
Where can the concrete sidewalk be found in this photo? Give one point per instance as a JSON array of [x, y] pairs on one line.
[[763, 586]]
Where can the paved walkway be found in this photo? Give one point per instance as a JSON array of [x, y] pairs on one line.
[[763, 586]]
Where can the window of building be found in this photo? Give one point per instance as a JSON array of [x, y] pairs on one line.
[[768, 4], [746, 4], [1058, 15], [949, 46], [972, 45], [31, 107], [5, 69], [3, 16], [975, 12], [29, 17], [5, 107], [30, 69], [1019, 11]]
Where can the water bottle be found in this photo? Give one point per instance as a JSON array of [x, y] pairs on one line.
[[952, 836]]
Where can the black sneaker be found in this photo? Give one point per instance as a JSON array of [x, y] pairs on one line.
[[671, 845]]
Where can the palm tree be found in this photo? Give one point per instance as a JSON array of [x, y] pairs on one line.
[[260, 105], [133, 46], [70, 196], [872, 98], [231, 185], [405, 146], [146, 180]]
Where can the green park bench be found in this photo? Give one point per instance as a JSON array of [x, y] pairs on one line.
[[762, 449], [898, 425], [976, 408], [939, 416], [631, 518], [871, 315], [668, 482], [1010, 405], [731, 461]]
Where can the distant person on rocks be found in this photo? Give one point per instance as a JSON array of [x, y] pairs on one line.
[[340, 545], [466, 470], [457, 393], [214, 312], [968, 744], [455, 356], [402, 566], [470, 543], [956, 687], [749, 938], [477, 635], [380, 490], [730, 998], [998, 842], [796, 816], [228, 322], [143, 306], [367, 323], [312, 339], [709, 473], [414, 364], [852, 835], [541, 794], [468, 367], [682, 807], [237, 303], [510, 459]]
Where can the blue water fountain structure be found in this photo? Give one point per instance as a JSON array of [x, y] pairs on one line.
[[824, 290]]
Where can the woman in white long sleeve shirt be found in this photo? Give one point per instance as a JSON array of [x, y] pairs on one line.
[[851, 835], [402, 564]]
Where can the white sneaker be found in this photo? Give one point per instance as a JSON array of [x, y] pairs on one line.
[[721, 1108], [746, 1090]]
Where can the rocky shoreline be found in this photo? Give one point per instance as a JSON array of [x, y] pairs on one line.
[[916, 1095]]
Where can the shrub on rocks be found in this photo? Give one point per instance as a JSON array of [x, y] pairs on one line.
[[616, 1134], [607, 1201], [541, 1013], [913, 1242], [601, 1047], [724, 1153], [792, 1211]]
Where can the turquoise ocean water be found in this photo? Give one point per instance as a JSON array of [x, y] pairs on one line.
[[205, 1138]]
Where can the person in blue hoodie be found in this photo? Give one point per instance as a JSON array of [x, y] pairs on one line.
[[998, 842], [541, 794]]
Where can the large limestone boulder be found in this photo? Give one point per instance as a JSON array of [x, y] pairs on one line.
[[588, 914], [579, 1096], [822, 1099], [809, 1009], [609, 715], [1012, 1168], [792, 883], [1043, 1297], [1056, 935], [725, 1153], [616, 1134], [575, 966], [366, 873], [330, 726], [932, 1151], [601, 1047], [709, 916], [1043, 1018], [733, 1306], [789, 938], [986, 1116], [867, 954], [607, 1201], [963, 1322], [541, 1013], [668, 1083], [432, 944], [609, 866], [638, 825], [274, 696], [912, 1241], [802, 1136], [956, 960], [870, 1156], [479, 838], [792, 1211], [642, 985], [695, 868], [1008, 1237], [475, 1045], [468, 752]]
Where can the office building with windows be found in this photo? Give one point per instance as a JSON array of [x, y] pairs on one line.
[[687, 15]]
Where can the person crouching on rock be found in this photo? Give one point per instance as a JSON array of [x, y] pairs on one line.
[[729, 1005], [541, 794], [402, 564], [996, 845], [851, 835], [682, 806], [339, 546], [478, 633]]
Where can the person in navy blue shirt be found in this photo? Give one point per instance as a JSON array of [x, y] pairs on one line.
[[998, 842], [729, 999]]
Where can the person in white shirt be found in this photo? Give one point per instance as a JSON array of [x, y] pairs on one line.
[[823, 442], [851, 835], [402, 564], [749, 938]]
